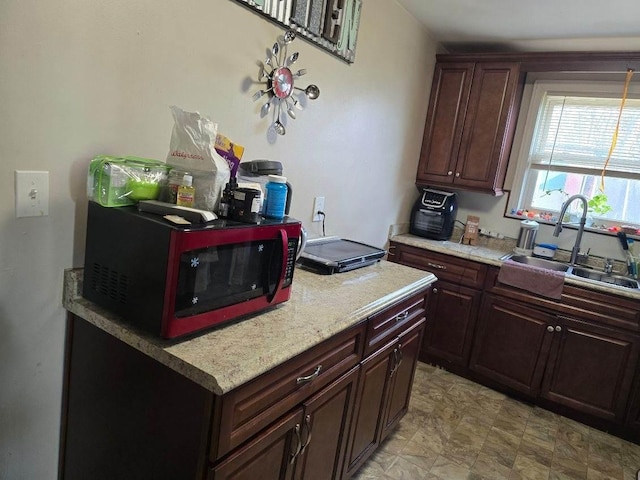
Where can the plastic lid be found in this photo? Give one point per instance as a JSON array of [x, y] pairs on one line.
[[187, 180], [277, 179], [529, 224], [550, 246], [261, 167]]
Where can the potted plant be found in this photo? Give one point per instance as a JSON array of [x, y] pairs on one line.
[[598, 204]]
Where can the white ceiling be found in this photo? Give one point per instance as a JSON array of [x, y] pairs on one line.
[[494, 25]]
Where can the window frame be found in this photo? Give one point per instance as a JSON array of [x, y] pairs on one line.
[[523, 182]]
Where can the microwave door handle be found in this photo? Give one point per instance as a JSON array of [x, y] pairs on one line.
[[283, 267]]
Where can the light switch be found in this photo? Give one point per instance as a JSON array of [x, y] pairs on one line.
[[32, 194]]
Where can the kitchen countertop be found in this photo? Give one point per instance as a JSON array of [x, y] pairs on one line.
[[491, 255], [228, 356]]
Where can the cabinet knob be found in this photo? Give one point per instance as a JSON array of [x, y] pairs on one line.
[[558, 328], [449, 173], [435, 290], [457, 174], [550, 329]]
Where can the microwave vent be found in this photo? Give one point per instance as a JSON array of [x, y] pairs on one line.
[[109, 283]]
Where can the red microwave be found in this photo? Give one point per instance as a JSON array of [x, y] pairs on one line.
[[174, 280]]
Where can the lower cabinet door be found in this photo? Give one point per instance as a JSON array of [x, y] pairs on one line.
[[270, 456], [368, 410], [327, 417], [591, 368], [451, 314], [403, 370], [512, 344]]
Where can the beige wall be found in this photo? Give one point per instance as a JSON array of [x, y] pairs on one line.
[[86, 77]]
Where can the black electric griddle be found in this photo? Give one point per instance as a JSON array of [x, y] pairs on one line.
[[328, 255]]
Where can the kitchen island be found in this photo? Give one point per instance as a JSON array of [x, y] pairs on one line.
[[244, 398]]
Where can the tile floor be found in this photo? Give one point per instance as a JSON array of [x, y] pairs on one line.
[[458, 430]]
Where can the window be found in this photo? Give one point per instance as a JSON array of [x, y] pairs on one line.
[[568, 134]]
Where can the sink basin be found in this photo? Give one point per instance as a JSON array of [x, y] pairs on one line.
[[540, 262], [601, 277], [582, 272]]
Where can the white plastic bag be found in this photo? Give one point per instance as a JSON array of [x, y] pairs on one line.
[[192, 148]]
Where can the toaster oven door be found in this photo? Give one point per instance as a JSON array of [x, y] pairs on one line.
[[428, 223], [216, 277]]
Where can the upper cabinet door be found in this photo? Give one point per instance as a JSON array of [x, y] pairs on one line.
[[470, 124], [443, 129], [488, 127]]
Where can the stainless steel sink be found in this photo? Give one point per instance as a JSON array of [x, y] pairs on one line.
[[540, 262], [581, 272], [601, 277]]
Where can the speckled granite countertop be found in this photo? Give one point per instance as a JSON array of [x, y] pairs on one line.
[[229, 356], [492, 254]]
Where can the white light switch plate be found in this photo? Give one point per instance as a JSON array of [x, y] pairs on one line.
[[32, 194]]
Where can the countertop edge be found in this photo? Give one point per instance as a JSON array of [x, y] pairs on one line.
[[176, 355], [490, 256]]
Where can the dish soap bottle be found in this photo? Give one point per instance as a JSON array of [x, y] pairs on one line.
[[186, 192]]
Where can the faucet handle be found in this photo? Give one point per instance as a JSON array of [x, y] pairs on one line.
[[608, 265], [583, 257]]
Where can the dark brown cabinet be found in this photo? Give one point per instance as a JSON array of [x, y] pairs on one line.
[[271, 456], [511, 344], [308, 443], [383, 394], [327, 417], [577, 355], [404, 359], [364, 438], [452, 313], [570, 362], [470, 123], [454, 302], [294, 422], [591, 368]]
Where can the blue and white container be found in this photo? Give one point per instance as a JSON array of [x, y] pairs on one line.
[[276, 197]]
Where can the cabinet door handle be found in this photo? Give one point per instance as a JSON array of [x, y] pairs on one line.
[[435, 290], [394, 366], [457, 174], [308, 378], [295, 454], [558, 328], [449, 173], [402, 316], [435, 265], [307, 423], [550, 329], [400, 356]]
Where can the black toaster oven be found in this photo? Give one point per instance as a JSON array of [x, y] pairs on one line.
[[434, 214]]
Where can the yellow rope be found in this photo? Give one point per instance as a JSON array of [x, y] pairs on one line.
[[614, 141]]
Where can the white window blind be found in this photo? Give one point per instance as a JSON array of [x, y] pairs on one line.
[[576, 132]]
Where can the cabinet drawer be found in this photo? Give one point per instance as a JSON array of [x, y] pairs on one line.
[[445, 267], [385, 325], [250, 408]]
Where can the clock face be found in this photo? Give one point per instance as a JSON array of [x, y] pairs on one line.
[[282, 82]]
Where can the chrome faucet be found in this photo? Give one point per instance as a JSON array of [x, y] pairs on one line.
[[583, 220]]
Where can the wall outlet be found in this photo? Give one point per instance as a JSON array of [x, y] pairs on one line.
[[318, 206]]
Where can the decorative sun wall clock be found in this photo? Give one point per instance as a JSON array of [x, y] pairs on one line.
[[278, 80]]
